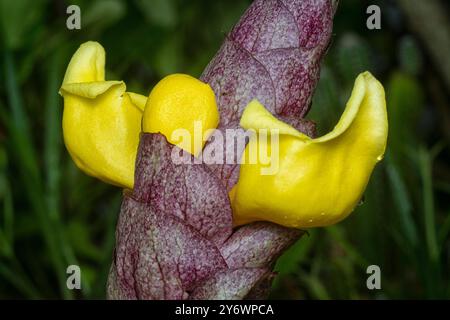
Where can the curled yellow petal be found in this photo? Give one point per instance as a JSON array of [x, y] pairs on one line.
[[184, 109], [87, 64], [101, 122], [319, 181]]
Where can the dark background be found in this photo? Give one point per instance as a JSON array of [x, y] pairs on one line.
[[52, 215]]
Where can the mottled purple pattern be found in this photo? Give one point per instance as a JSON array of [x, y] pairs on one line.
[[230, 284], [273, 55], [188, 191], [164, 252], [240, 250], [174, 237], [158, 256]]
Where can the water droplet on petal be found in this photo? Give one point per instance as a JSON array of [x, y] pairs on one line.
[[361, 201]]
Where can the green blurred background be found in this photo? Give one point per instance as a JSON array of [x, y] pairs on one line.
[[52, 215]]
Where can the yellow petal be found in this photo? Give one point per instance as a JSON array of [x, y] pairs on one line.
[[183, 109], [256, 117], [90, 90], [87, 64], [319, 181], [101, 122]]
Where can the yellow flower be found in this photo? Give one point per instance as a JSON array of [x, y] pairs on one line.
[[183, 109], [319, 181], [101, 121]]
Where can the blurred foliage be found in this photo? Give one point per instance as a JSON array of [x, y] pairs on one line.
[[52, 215]]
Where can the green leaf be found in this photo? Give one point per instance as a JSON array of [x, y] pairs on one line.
[[101, 14], [326, 106], [353, 56], [405, 102], [19, 19], [159, 12], [410, 56]]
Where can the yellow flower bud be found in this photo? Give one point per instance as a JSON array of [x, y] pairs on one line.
[[319, 181], [183, 109], [101, 122]]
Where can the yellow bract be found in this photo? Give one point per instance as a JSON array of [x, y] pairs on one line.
[[181, 105], [319, 181], [101, 122]]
